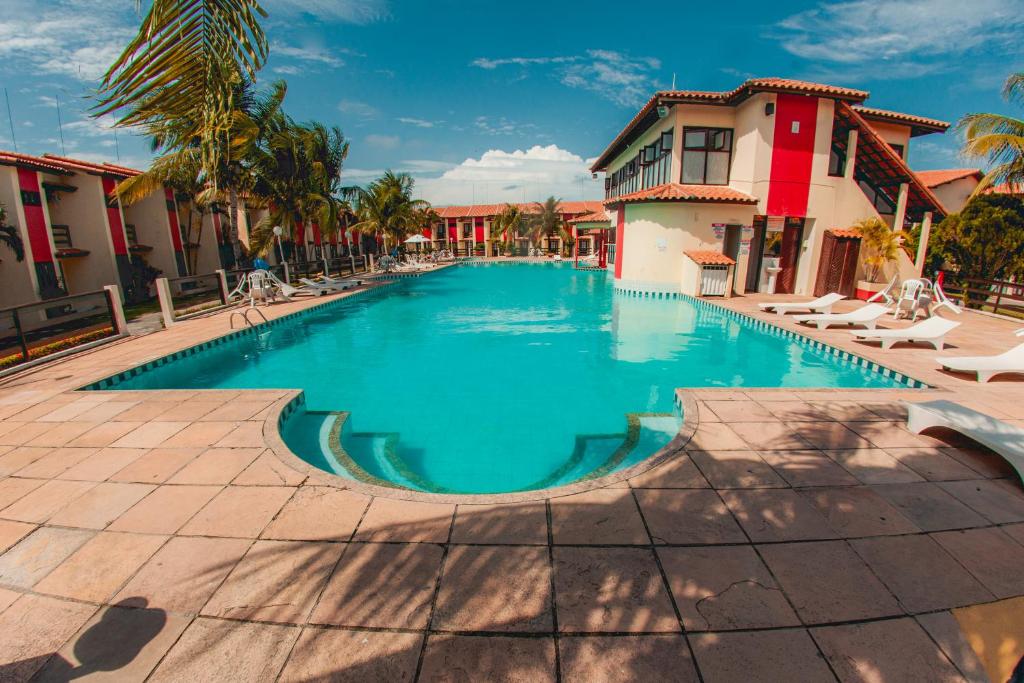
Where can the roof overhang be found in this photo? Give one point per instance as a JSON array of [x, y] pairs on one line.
[[919, 125]]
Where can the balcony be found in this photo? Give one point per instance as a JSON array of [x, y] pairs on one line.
[[65, 249]]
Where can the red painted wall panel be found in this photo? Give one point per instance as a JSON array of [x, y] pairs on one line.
[[478, 228], [172, 217], [792, 155], [114, 218], [316, 233], [620, 226], [453, 229], [35, 220]]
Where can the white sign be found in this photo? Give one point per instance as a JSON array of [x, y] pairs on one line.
[[719, 229], [662, 244], [748, 232], [744, 249]]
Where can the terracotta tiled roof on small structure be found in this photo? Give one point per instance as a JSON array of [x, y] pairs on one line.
[[33, 162], [919, 125], [466, 211], [92, 167], [1006, 188], [947, 175], [677, 192], [846, 232], [709, 258], [593, 217]]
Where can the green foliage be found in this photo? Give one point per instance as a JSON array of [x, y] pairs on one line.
[[998, 139], [506, 226], [985, 240], [879, 245], [10, 237], [386, 207], [545, 220]]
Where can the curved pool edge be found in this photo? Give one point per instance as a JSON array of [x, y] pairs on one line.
[[283, 408]]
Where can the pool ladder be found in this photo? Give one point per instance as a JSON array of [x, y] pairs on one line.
[[244, 315]]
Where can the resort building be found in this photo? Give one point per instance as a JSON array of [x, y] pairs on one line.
[[756, 188]]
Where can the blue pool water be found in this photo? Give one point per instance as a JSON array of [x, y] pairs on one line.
[[496, 378]]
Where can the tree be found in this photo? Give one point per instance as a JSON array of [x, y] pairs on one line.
[[545, 221], [505, 227], [997, 138], [386, 207], [985, 240], [10, 237], [879, 244]]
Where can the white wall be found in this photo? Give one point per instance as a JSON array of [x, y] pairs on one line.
[[17, 279], [954, 195]]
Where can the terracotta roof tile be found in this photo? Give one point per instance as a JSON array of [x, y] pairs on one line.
[[947, 175], [39, 163], [1005, 188], [921, 124], [676, 192], [709, 258], [474, 210], [593, 217], [92, 167], [845, 232]]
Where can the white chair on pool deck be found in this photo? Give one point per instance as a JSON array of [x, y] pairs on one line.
[[822, 304], [341, 285], [931, 331], [987, 367], [885, 293], [866, 315], [319, 287]]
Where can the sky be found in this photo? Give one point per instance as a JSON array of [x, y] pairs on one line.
[[492, 102]]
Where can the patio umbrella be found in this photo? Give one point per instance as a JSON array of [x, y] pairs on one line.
[[417, 239]]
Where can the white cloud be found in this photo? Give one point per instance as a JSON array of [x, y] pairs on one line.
[[287, 70], [419, 123], [382, 141], [502, 126], [616, 76], [352, 11], [357, 108], [308, 53]]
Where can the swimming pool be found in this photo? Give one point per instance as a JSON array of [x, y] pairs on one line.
[[489, 378]]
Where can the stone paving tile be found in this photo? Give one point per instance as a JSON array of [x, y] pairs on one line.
[[598, 517], [57, 435], [769, 436], [101, 505], [515, 523], [165, 510], [688, 517], [103, 434], [103, 464], [39, 553], [157, 465], [619, 659], [236, 411], [268, 470], [769, 515], [858, 511], [724, 588], [150, 434], [891, 650], [678, 473], [611, 590], [213, 650], [100, 566], [242, 511], [736, 469], [715, 436], [832, 435], [188, 411], [34, 627], [493, 588], [40, 504], [891, 435], [930, 507], [183, 574], [921, 575], [826, 581], [244, 435], [119, 643], [796, 411], [23, 433], [402, 520], [999, 501], [216, 466], [12, 532], [740, 411], [276, 581], [449, 659], [990, 555], [56, 462], [200, 435], [7, 598], [381, 585], [18, 458], [1015, 531], [873, 466], [943, 628], [145, 411], [352, 656], [67, 412], [14, 488], [984, 462], [808, 468], [318, 513], [106, 411], [934, 464], [762, 656]]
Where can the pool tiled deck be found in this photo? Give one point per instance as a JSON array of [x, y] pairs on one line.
[[802, 535]]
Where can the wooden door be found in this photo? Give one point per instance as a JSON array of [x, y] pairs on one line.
[[837, 269], [789, 257]]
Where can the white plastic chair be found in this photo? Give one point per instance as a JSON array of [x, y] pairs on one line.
[[940, 300], [910, 297]]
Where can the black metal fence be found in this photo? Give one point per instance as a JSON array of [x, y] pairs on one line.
[[41, 329], [995, 296]]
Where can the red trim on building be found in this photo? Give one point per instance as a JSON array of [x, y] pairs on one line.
[[172, 218], [478, 229], [316, 234], [620, 225], [117, 235], [453, 230], [35, 219], [792, 155]]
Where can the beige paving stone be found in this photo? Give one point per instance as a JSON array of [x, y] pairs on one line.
[[101, 465], [678, 473], [56, 462], [736, 469], [268, 470], [318, 513], [402, 520], [188, 411], [832, 435], [1001, 501], [891, 435], [236, 410], [826, 582], [847, 411], [352, 656], [20, 457], [241, 511], [7, 598], [66, 412], [984, 462], [513, 523], [494, 588], [858, 511], [990, 555], [39, 505], [600, 516], [1015, 531], [39, 553], [13, 488], [100, 566], [12, 532], [24, 433], [101, 505], [214, 650], [688, 516], [740, 411], [106, 411], [943, 628], [150, 434], [796, 411], [200, 435], [276, 581], [449, 659], [157, 465], [34, 627], [724, 588], [60, 434], [715, 436], [769, 436], [934, 464], [891, 650], [246, 434], [808, 468], [764, 656], [165, 510], [611, 589], [381, 585], [145, 411], [103, 434], [216, 466], [768, 515], [183, 574], [929, 506], [607, 659], [119, 643], [873, 466]]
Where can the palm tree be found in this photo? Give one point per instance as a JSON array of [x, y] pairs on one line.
[[386, 207], [881, 244], [506, 226], [545, 221], [10, 237], [997, 138]]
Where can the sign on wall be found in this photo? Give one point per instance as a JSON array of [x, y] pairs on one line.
[[719, 230]]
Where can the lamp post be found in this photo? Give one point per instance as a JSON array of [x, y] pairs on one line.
[[277, 234]]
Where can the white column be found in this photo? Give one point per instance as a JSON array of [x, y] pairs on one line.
[[115, 304], [922, 245], [901, 208], [163, 293], [851, 154]]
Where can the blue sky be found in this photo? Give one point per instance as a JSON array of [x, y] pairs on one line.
[[486, 102]]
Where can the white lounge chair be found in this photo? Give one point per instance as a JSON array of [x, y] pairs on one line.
[[341, 285], [886, 292], [319, 287], [931, 331], [987, 367], [866, 315], [822, 304], [1005, 439], [940, 300]]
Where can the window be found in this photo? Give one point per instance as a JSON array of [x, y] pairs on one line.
[[650, 167], [837, 162], [707, 153], [467, 231], [899, 149], [30, 198]]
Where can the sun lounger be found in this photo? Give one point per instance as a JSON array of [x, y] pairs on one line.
[[820, 305], [867, 316], [886, 292], [931, 331], [987, 367], [341, 285], [1005, 439], [319, 287]]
